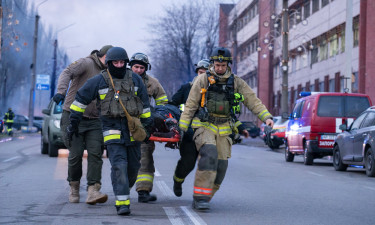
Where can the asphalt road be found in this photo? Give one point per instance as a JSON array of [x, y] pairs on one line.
[[259, 188]]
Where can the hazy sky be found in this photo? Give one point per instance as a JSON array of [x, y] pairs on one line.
[[100, 22]]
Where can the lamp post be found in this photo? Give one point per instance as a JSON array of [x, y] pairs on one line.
[[33, 67], [55, 45]]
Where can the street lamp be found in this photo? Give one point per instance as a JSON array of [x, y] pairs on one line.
[[33, 67]]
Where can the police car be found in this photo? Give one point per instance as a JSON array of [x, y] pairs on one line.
[[315, 120]]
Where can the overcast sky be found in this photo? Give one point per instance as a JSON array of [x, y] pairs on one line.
[[100, 22]]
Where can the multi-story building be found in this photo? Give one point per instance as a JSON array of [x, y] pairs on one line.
[[317, 59]]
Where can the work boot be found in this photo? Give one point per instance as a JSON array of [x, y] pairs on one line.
[[94, 195], [177, 188], [145, 196], [123, 210], [201, 204], [74, 192]]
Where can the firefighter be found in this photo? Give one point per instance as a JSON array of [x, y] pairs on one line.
[[9, 120], [139, 64], [90, 133], [188, 152], [119, 92], [209, 109]]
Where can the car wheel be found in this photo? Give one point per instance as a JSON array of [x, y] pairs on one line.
[[53, 150], [289, 157], [370, 164], [43, 146], [337, 162], [307, 156]]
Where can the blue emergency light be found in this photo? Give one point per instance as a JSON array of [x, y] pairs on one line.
[[308, 93]]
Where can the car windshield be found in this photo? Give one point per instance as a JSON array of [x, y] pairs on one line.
[[342, 106]]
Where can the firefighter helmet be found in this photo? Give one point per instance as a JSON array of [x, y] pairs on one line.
[[221, 54], [116, 53], [140, 58], [203, 64]]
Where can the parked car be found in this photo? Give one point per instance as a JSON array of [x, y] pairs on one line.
[[356, 145], [276, 120], [51, 137], [23, 121], [1, 125], [277, 134], [315, 120], [251, 128]]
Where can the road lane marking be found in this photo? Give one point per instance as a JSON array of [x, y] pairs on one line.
[[167, 192], [157, 174], [193, 216], [371, 188], [316, 174], [10, 159], [173, 216]]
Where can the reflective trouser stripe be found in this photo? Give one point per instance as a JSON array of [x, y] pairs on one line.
[[180, 180], [238, 123], [264, 114], [198, 123], [126, 202], [112, 137], [122, 197], [202, 191], [145, 177]]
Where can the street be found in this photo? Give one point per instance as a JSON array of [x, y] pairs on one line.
[[259, 188]]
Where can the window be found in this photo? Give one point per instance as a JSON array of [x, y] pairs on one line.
[[321, 86], [323, 50], [297, 111], [369, 120], [330, 106], [355, 83], [331, 85], [355, 105], [358, 121], [312, 87], [294, 62], [314, 55], [343, 41], [325, 2], [306, 10], [315, 5], [333, 45], [355, 33]]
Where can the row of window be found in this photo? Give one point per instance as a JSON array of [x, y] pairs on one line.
[[248, 48], [247, 15]]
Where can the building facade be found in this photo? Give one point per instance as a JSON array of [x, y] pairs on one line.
[[317, 59]]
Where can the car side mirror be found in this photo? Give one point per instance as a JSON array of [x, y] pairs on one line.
[[343, 127], [45, 111]]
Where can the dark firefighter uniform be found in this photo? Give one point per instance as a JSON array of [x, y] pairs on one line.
[[145, 178], [213, 125], [9, 120], [124, 152]]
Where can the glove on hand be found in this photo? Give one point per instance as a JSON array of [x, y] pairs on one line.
[[182, 133], [58, 98], [70, 130]]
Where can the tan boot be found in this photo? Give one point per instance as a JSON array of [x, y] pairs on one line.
[[74, 192], [94, 195]]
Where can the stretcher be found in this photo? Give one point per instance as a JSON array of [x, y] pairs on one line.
[[167, 132]]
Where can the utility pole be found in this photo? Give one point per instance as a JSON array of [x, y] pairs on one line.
[[348, 44], [33, 75], [53, 78], [285, 59]]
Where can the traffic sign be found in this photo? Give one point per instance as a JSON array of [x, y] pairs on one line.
[[42, 82]]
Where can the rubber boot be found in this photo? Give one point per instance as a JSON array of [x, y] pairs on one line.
[[74, 192], [94, 195], [123, 210], [177, 188], [145, 196], [201, 204]]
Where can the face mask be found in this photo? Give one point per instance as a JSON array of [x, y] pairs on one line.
[[117, 72]]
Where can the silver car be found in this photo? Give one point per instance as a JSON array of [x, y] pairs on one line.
[[356, 145], [51, 137]]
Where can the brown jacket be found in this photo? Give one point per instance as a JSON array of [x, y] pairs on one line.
[[77, 74], [155, 90], [240, 86]]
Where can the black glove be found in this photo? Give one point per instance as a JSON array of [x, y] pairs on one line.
[[182, 133], [58, 98], [70, 130]]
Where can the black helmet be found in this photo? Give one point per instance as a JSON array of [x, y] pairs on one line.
[[116, 53], [203, 64], [140, 58], [221, 54]]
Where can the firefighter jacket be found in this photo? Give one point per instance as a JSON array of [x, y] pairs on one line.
[[224, 128], [155, 90], [77, 74], [8, 117], [114, 123]]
